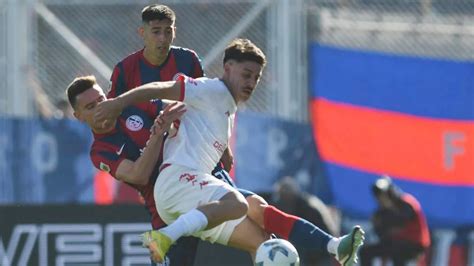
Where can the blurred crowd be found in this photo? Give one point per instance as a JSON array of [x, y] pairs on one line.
[[399, 226]]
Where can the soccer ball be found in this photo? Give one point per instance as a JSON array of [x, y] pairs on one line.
[[277, 252]]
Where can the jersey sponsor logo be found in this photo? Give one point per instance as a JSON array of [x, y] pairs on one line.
[[227, 113], [134, 123], [104, 167], [120, 150], [219, 146]]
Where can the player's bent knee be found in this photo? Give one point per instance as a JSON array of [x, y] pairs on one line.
[[242, 206], [237, 203], [255, 201], [256, 210]]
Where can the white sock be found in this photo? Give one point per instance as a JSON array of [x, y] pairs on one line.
[[186, 224], [333, 244]]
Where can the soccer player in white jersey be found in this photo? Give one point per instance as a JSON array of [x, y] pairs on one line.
[[189, 200]]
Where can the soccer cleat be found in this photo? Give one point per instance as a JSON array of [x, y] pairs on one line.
[[158, 243], [349, 246]]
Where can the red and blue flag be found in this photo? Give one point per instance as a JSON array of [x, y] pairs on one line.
[[409, 117]]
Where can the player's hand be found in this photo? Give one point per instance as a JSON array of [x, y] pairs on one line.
[[227, 159], [171, 113], [106, 111]]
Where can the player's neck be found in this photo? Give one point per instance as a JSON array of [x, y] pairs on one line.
[[154, 58], [227, 84]]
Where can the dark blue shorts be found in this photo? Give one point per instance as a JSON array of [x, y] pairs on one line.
[[222, 174]]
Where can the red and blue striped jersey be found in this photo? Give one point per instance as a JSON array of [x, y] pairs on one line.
[[127, 141], [135, 70], [131, 72]]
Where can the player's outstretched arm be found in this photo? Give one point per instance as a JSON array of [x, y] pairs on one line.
[[110, 109], [139, 171]]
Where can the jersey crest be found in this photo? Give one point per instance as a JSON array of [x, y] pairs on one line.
[[134, 123]]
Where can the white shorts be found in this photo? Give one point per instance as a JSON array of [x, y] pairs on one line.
[[179, 190]]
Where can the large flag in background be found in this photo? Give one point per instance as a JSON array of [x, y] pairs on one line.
[[409, 117]]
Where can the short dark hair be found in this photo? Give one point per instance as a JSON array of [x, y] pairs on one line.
[[244, 50], [78, 86], [157, 12]]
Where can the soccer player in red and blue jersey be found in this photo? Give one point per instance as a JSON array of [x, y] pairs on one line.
[[159, 61], [127, 148]]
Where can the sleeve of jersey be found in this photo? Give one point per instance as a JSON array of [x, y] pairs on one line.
[[106, 160], [198, 92], [197, 71]]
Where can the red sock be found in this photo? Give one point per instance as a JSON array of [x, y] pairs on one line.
[[278, 222]]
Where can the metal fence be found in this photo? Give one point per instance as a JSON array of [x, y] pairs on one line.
[[109, 31], [433, 28], [70, 38], [44, 44]]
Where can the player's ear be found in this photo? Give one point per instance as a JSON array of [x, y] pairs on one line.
[[227, 66], [141, 31], [77, 115]]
